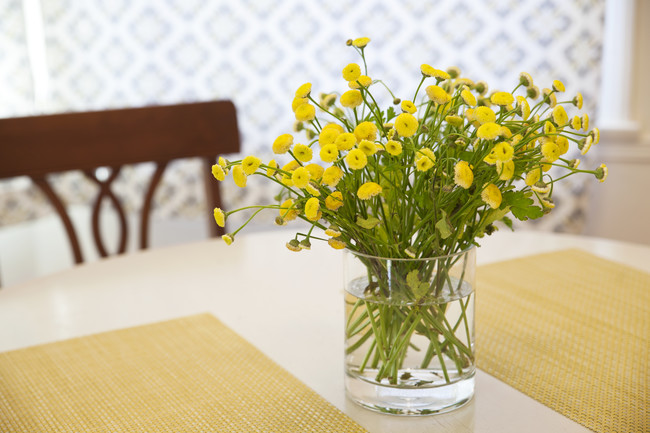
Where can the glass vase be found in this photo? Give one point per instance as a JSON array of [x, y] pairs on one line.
[[409, 332]]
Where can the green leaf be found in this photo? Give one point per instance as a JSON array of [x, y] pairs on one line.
[[522, 206], [508, 222], [444, 226], [368, 223], [419, 288], [390, 113]]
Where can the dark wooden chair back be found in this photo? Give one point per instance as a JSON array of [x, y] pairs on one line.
[[41, 145]]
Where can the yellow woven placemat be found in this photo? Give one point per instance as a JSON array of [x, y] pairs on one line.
[[572, 331], [187, 375]]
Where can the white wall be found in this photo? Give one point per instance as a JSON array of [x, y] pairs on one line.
[[620, 207]]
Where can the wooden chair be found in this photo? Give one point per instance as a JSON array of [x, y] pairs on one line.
[[41, 145]]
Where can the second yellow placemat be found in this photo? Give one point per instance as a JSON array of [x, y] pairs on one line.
[[187, 375], [572, 331]]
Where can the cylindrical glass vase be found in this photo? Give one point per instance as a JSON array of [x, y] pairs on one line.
[[409, 332]]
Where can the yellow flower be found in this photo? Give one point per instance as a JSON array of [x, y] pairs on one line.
[[491, 195], [425, 159], [351, 99], [228, 239], [351, 72], [585, 122], [291, 165], [532, 92], [549, 97], [239, 176], [305, 112], [311, 189], [423, 163], [454, 120], [562, 144], [364, 80], [463, 174], [601, 173], [287, 211], [481, 87], [595, 134], [282, 144], [506, 169], [217, 172], [315, 171], [576, 123], [525, 79], [334, 126], [251, 164], [297, 102], [368, 147], [558, 86], [303, 91], [503, 151], [523, 107], [302, 153], [406, 125], [329, 153], [286, 180], [219, 217], [485, 115], [468, 98], [437, 94], [429, 71], [345, 141], [577, 101], [394, 147], [293, 245], [272, 168], [559, 116], [300, 177], [408, 107], [549, 128], [366, 131], [336, 244], [312, 209], [328, 136], [550, 150], [356, 159], [532, 177], [502, 98], [332, 175], [333, 231], [470, 115], [334, 201], [327, 100], [547, 202], [491, 159], [489, 131], [585, 144], [361, 42], [541, 187], [368, 190]]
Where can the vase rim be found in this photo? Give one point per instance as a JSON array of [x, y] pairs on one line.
[[406, 259]]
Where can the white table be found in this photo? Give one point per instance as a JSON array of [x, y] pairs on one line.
[[289, 305]]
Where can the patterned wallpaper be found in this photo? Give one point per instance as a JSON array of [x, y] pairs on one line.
[[121, 53]]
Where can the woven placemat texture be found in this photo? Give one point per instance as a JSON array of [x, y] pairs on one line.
[[187, 375], [572, 331]]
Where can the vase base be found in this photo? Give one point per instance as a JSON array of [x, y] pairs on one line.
[[409, 401]]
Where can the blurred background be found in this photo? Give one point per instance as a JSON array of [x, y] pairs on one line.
[[77, 55]]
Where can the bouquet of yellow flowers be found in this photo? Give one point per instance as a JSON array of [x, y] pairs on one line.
[[423, 178]]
